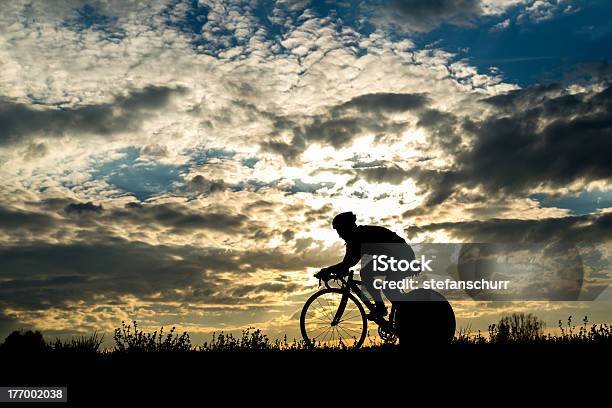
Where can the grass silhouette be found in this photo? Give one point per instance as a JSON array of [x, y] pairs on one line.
[[517, 328], [520, 328]]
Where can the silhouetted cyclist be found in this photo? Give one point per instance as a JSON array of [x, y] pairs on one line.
[[362, 240]]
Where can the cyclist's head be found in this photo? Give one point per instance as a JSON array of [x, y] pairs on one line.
[[344, 223]]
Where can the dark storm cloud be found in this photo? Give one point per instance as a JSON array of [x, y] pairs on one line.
[[19, 121], [391, 173], [271, 287], [344, 122], [201, 184], [524, 98], [180, 218], [322, 214], [17, 221], [418, 15], [175, 215], [380, 103], [597, 70], [587, 228], [42, 276], [9, 324], [552, 141], [538, 136], [80, 208], [442, 129], [90, 220], [260, 205]]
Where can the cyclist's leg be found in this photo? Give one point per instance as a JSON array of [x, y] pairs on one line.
[[399, 252], [367, 280]]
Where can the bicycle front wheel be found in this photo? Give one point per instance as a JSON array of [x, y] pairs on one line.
[[333, 318]]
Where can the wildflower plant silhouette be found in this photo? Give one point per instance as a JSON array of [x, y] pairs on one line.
[[128, 339]]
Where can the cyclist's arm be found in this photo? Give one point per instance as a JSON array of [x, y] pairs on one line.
[[351, 258]]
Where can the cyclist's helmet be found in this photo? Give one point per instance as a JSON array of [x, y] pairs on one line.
[[344, 219]]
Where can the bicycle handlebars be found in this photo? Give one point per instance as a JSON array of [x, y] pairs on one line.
[[334, 277]]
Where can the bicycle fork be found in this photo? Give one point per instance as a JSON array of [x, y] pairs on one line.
[[340, 310]]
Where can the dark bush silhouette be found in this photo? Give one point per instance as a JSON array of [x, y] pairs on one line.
[[517, 328], [24, 342]]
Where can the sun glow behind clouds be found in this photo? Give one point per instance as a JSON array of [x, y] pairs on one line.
[[341, 166]]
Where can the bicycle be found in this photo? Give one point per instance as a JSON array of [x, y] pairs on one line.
[[335, 317]]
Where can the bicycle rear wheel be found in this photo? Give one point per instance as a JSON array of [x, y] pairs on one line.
[[320, 311]]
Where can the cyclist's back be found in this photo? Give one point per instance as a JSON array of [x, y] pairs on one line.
[[367, 238]]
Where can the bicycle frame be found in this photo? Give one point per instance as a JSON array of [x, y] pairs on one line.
[[349, 285]]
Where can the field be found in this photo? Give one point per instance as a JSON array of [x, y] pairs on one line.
[[145, 363]]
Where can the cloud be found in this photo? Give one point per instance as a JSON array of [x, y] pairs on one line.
[[80, 208], [539, 10], [20, 121], [35, 151], [202, 185], [273, 287], [587, 228], [155, 150], [342, 123], [45, 276], [501, 26], [66, 220], [380, 103], [553, 140], [8, 324], [55, 274], [424, 16], [388, 173], [416, 15], [180, 218], [543, 136], [17, 222]]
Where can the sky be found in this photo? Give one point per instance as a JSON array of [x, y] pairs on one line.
[[179, 162]]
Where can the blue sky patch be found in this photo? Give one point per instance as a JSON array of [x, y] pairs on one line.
[[188, 17], [89, 17], [249, 162], [141, 178], [584, 203], [531, 52]]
